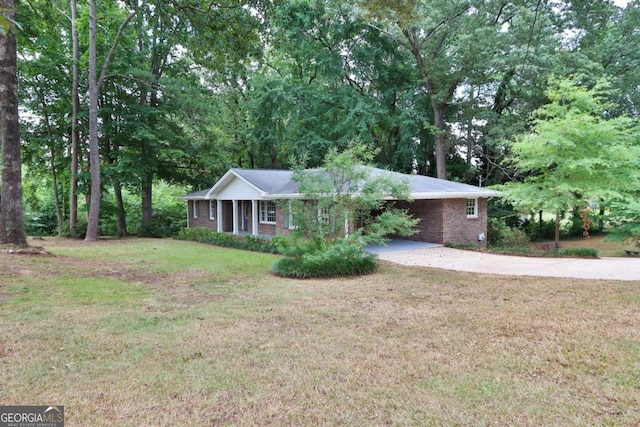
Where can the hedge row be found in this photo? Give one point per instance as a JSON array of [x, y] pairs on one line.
[[531, 251], [237, 241]]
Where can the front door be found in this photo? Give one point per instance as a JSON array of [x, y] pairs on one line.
[[245, 215]]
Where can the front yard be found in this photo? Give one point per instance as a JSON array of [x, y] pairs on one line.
[[162, 332]]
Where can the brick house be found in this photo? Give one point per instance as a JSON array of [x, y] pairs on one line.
[[251, 201]]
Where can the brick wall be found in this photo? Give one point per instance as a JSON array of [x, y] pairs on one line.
[[203, 214], [445, 221], [430, 213], [458, 228]]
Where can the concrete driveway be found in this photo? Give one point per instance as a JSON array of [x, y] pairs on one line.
[[460, 260]]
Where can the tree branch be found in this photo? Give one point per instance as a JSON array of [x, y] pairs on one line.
[[112, 51], [391, 35]]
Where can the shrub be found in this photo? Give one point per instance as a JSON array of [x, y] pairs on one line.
[[576, 252], [499, 235], [540, 231], [471, 246], [81, 227], [345, 257], [248, 242], [166, 222]]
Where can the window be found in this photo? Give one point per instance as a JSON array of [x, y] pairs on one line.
[[324, 215], [472, 208], [213, 209], [195, 209], [290, 219], [267, 212]]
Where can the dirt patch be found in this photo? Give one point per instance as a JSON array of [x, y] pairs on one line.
[[29, 250]]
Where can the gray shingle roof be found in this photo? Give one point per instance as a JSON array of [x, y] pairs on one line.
[[275, 182], [194, 196], [272, 181]]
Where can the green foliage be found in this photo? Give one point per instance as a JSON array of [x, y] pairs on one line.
[[391, 222], [575, 154], [576, 252], [625, 222], [544, 230], [500, 235], [7, 24], [346, 257], [345, 189], [466, 246], [246, 242], [169, 215], [80, 231], [499, 208], [193, 90]]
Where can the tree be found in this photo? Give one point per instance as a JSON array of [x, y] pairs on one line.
[[75, 134], [344, 193], [575, 154], [460, 46], [95, 83], [11, 217], [345, 190]]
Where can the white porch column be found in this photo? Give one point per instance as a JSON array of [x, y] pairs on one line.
[[254, 217], [346, 224], [235, 217], [219, 215]]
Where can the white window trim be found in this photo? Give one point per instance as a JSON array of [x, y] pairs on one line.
[[264, 211], [213, 209], [195, 209], [324, 215], [475, 208], [290, 218]]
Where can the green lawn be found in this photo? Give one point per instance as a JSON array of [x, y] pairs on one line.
[[161, 332]]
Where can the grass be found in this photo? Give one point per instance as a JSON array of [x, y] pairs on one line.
[[605, 247], [161, 332]]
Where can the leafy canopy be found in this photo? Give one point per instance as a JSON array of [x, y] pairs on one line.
[[346, 189], [576, 153]]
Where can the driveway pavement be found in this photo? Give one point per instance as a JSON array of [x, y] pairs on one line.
[[460, 260]]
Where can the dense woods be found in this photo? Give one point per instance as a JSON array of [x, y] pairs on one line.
[[124, 105]]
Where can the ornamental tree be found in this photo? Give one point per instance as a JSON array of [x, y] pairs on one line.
[[575, 153], [345, 198]]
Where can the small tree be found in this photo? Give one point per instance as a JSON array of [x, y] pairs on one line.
[[335, 198], [345, 193], [575, 154]]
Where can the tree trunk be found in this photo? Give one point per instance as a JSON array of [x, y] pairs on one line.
[[147, 205], [439, 106], [11, 216], [439, 110], [557, 231], [94, 153], [121, 216], [121, 223], [52, 164], [75, 98], [146, 180]]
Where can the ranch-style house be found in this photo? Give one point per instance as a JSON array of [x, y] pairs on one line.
[[251, 201]]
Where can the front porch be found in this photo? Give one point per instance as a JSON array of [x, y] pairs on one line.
[[237, 216]]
